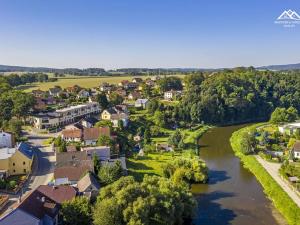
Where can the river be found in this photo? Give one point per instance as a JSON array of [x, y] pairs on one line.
[[232, 195]]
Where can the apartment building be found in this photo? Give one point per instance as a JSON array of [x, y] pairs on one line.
[[65, 116]]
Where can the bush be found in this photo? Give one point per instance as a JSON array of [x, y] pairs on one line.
[[2, 184], [280, 198], [12, 184]]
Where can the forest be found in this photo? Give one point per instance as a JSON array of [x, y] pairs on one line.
[[239, 95]]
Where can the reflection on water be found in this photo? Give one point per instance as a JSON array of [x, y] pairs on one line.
[[233, 195]]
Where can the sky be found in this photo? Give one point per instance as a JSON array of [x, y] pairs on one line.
[[155, 33]]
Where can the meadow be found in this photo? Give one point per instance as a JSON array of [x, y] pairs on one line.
[[83, 81]]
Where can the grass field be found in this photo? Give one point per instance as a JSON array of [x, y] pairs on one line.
[[86, 82]]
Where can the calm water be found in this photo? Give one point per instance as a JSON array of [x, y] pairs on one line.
[[233, 195]]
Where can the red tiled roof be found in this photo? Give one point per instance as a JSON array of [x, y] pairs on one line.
[[94, 132], [72, 133], [59, 193], [73, 173]]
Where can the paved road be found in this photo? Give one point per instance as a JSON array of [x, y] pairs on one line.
[[42, 170], [273, 170]]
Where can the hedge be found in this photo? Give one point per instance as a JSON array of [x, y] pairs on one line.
[[285, 205]]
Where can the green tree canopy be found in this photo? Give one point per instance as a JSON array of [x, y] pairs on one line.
[[155, 200]]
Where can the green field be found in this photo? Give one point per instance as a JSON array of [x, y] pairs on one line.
[[83, 81]]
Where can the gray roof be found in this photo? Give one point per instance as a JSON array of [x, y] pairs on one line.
[[19, 217], [86, 181]]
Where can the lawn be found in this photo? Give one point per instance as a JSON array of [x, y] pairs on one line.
[[151, 164], [83, 81]]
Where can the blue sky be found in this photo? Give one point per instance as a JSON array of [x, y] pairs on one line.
[[138, 33]]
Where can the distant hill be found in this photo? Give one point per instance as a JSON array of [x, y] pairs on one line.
[[133, 71], [281, 67]]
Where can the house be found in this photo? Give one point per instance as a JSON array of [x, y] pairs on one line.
[[115, 116], [296, 150], [6, 140], [39, 104], [102, 152], [15, 161], [137, 80], [289, 129], [105, 87], [88, 186], [121, 92], [58, 194], [35, 209], [171, 95], [150, 82], [71, 135], [128, 85], [164, 147], [73, 173], [70, 158], [91, 135], [83, 94], [89, 122], [40, 207], [74, 89], [134, 95], [141, 103], [38, 93], [55, 91], [65, 116]]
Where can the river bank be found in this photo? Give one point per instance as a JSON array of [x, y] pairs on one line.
[[280, 199]]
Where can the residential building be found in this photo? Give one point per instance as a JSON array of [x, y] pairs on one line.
[[171, 95], [65, 116], [141, 103], [115, 116], [55, 91], [72, 135], [39, 104], [91, 135], [296, 150], [89, 122], [58, 194], [134, 95], [88, 186], [137, 80], [72, 174], [74, 89], [6, 140], [39, 93], [15, 161], [70, 158], [106, 87], [128, 85], [102, 152], [289, 128], [83, 94], [40, 207]]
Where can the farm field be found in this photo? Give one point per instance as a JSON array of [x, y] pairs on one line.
[[86, 82]]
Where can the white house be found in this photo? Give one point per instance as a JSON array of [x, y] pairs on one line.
[[83, 94], [289, 128], [6, 140], [170, 95], [141, 103], [296, 150]]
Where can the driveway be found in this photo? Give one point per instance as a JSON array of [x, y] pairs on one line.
[[273, 170]]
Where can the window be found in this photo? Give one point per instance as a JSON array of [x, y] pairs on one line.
[[14, 164], [23, 163], [24, 170], [14, 171]]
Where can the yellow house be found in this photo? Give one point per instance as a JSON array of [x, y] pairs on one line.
[[15, 161], [106, 114]]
